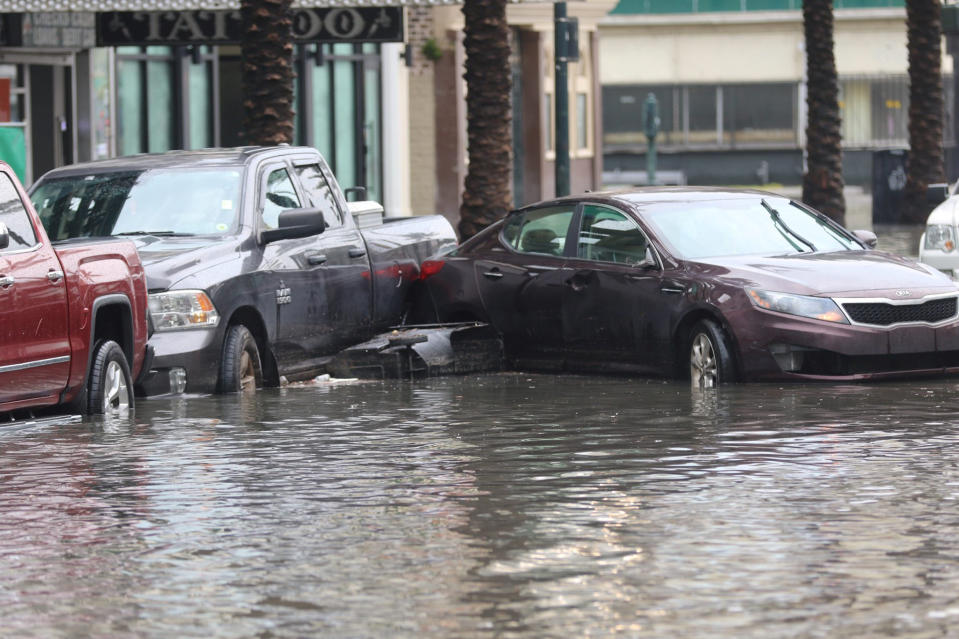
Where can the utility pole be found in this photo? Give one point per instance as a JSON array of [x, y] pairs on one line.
[[565, 50]]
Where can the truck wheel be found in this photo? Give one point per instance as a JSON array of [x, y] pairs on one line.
[[240, 368], [109, 387]]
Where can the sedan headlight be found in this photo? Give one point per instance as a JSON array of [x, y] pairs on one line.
[[176, 310], [821, 308], [940, 237]]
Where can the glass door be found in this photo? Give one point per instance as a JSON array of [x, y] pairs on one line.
[[338, 110]]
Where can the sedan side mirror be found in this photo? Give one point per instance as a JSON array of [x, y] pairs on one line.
[[866, 237], [4, 236], [293, 223], [649, 260], [937, 193]]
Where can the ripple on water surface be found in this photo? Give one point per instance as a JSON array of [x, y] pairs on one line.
[[499, 505]]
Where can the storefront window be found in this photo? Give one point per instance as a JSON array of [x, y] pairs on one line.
[[153, 115], [200, 73], [344, 111], [159, 99]]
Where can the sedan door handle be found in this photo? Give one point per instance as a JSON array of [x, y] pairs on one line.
[[357, 252], [494, 274], [6, 281], [316, 259], [672, 289], [55, 276]]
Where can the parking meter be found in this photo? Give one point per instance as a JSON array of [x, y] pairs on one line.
[[651, 117]]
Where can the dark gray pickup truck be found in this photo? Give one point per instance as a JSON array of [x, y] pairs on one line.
[[256, 264]]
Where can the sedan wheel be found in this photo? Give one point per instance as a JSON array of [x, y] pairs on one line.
[[710, 359], [702, 363]]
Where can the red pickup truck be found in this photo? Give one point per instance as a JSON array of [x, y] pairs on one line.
[[73, 316]]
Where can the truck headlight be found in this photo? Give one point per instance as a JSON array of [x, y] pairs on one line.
[[821, 308], [940, 237], [176, 310]]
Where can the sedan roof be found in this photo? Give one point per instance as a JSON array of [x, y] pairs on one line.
[[639, 196]]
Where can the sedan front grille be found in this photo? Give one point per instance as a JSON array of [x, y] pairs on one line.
[[883, 314]]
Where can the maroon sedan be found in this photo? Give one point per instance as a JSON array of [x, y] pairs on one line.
[[718, 285]]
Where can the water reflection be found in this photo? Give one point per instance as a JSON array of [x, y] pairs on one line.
[[500, 505]]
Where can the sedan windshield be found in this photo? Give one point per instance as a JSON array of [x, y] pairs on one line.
[[154, 202], [744, 226]]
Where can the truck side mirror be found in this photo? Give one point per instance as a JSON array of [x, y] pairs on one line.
[[937, 193], [293, 223], [4, 236], [866, 237], [358, 191]]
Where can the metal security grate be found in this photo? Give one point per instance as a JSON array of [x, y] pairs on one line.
[[882, 314]]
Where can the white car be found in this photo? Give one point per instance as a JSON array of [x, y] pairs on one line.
[[937, 246]]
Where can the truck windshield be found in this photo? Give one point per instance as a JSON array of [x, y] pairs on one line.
[[163, 201]]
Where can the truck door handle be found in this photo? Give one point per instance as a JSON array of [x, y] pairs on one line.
[[493, 274], [55, 276], [356, 252], [316, 259], [6, 281]]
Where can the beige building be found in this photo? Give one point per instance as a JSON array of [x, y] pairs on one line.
[[731, 92]]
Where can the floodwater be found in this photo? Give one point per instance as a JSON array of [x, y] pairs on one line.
[[502, 505]]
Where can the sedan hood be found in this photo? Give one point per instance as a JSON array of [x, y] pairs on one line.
[[842, 273], [168, 260]]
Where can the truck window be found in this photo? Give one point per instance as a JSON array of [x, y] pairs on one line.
[[279, 196], [15, 216], [320, 194]]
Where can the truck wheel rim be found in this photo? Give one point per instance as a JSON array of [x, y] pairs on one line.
[[703, 369], [247, 372], [116, 398]]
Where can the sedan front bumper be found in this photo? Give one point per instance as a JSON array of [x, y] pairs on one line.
[[773, 346]]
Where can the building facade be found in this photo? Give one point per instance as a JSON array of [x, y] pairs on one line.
[[728, 76], [378, 90], [117, 79]]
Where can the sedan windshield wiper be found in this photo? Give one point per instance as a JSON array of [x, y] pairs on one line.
[[157, 233], [779, 220]]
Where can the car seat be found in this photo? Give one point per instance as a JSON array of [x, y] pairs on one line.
[[540, 241]]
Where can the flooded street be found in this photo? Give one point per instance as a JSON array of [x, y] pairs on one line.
[[498, 505]]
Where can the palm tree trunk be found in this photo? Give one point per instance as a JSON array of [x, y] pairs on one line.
[[926, 163], [486, 195], [822, 183], [266, 49]]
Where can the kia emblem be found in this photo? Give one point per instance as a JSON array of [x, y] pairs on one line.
[[902, 293]]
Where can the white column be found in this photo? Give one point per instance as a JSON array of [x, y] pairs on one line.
[[396, 131]]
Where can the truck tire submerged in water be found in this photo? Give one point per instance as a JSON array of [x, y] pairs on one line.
[[240, 367], [109, 386]]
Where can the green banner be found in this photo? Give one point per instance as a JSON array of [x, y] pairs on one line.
[[13, 150]]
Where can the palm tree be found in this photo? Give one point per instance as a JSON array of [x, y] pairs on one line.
[[822, 184], [926, 164], [266, 48], [486, 195]]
